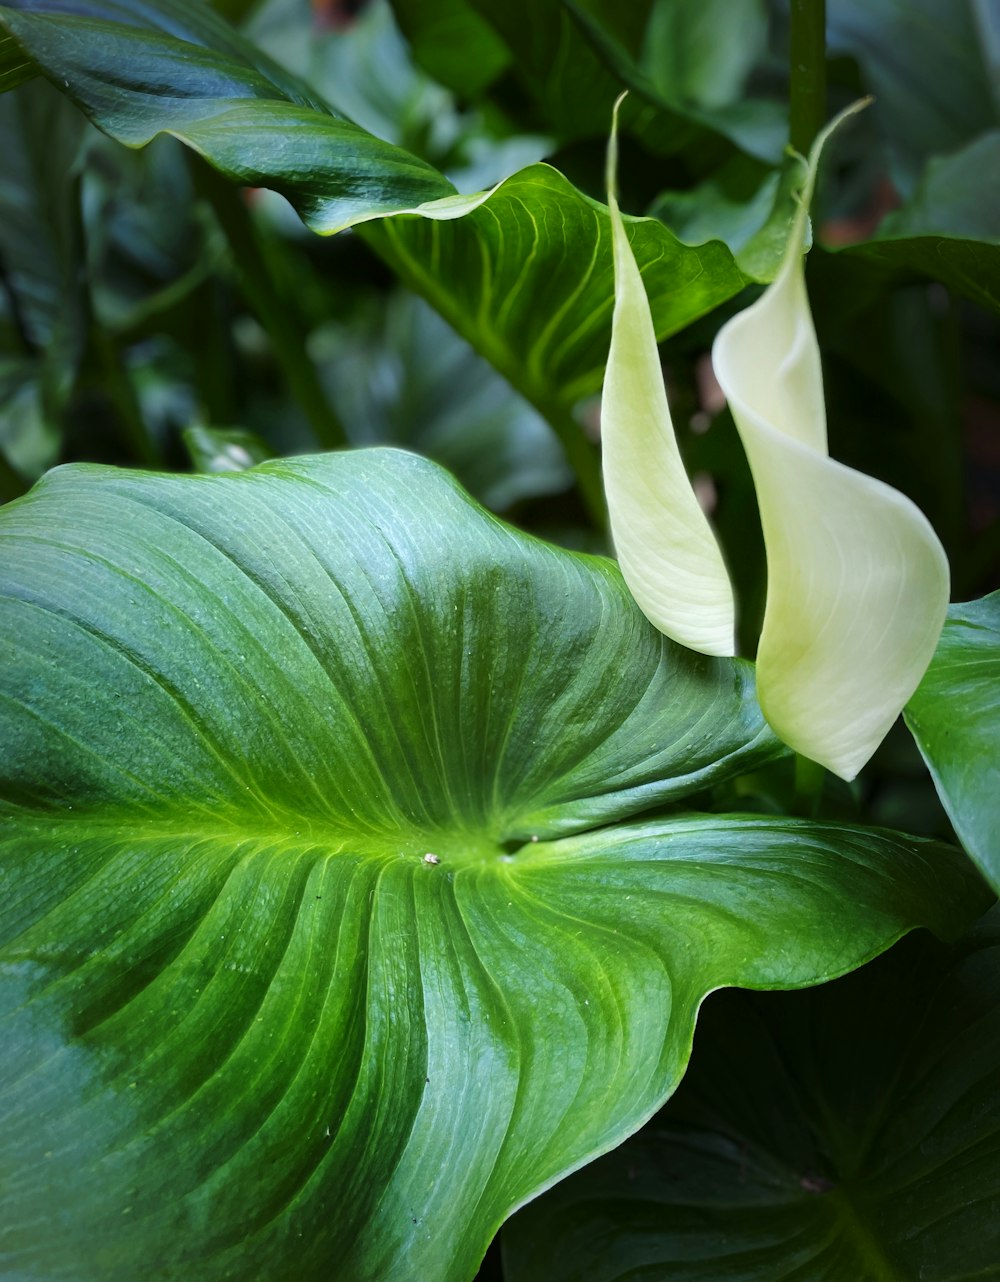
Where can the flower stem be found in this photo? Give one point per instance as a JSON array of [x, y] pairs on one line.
[[808, 72]]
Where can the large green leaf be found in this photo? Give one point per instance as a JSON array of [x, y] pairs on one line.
[[955, 719], [852, 1132], [314, 955], [138, 70]]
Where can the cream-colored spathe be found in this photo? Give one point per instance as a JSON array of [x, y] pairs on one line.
[[858, 582], [668, 554]]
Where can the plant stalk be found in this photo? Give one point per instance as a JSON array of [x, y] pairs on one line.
[[279, 320], [807, 59]]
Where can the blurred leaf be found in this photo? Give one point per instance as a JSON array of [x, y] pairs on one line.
[[406, 378], [453, 43], [42, 269], [574, 57], [955, 719], [925, 63], [697, 51], [29, 438], [851, 1132], [692, 59], [950, 229], [222, 449], [750, 207]]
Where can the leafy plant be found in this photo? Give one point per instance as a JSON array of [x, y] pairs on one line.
[[367, 858]]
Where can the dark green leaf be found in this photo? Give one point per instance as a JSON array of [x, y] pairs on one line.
[[852, 1132], [955, 719], [42, 271], [188, 22], [453, 43], [950, 230], [691, 58], [313, 959], [135, 81], [15, 66]]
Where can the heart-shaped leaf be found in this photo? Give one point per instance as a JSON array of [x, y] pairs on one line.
[[849, 1132], [324, 942], [954, 716]]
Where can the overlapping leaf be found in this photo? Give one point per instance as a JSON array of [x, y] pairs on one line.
[[312, 956], [138, 71], [849, 1132], [528, 278], [955, 719]]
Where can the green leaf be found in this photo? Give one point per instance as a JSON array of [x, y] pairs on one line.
[[221, 98], [15, 67], [527, 278], [186, 21], [848, 1132], [691, 58], [523, 273], [288, 986], [950, 229], [954, 716]]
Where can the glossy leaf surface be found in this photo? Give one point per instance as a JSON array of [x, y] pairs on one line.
[[324, 942], [849, 1132], [137, 72], [955, 719]]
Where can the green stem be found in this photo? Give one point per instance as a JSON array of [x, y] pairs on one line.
[[582, 457], [809, 776], [116, 383], [278, 318], [808, 72]]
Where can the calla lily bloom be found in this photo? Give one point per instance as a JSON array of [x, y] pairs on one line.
[[858, 582], [668, 554]]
